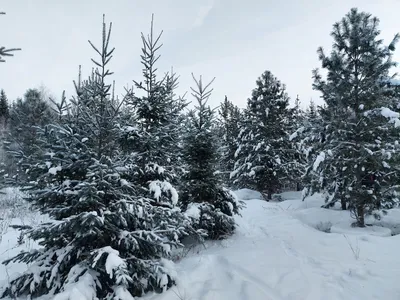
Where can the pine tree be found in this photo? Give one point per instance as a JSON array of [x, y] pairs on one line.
[[356, 161], [229, 120], [264, 156], [211, 206], [5, 51], [106, 241]]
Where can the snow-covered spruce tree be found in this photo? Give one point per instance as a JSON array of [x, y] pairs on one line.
[[358, 154], [211, 206], [298, 160], [265, 156], [6, 51], [25, 116], [106, 241], [153, 132], [4, 110], [229, 116]]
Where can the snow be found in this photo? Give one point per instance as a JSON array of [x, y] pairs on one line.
[[157, 187], [388, 113], [320, 158], [392, 115], [247, 194], [54, 170], [295, 134], [278, 253], [285, 250], [193, 211], [113, 261]]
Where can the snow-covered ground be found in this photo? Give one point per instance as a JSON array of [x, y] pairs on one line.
[[289, 250], [278, 254]]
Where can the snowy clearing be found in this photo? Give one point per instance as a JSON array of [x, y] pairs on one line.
[[286, 250], [278, 254]]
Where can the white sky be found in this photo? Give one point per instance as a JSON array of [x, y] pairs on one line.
[[232, 40]]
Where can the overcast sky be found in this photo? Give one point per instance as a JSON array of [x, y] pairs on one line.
[[232, 40]]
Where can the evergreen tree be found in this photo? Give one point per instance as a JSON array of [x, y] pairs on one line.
[[298, 163], [155, 139], [356, 161], [265, 156], [25, 116], [4, 109], [209, 204], [107, 241], [229, 120], [6, 51]]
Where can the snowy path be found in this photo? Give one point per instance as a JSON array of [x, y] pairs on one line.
[[275, 256]]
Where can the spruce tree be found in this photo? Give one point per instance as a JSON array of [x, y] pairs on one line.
[[356, 161], [205, 200], [298, 163], [229, 124], [25, 116], [106, 240], [264, 156], [156, 114], [6, 51], [4, 109]]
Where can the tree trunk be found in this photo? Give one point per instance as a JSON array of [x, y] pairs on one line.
[[343, 203], [298, 187], [269, 196], [360, 216]]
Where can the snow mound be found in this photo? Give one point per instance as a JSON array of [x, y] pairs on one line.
[[391, 220], [247, 194], [369, 230]]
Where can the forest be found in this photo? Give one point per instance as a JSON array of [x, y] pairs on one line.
[[126, 180]]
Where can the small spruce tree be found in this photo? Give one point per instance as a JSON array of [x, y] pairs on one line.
[[264, 156], [229, 124], [211, 206]]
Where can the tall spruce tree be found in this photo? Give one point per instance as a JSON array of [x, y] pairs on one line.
[[356, 161], [229, 123], [264, 155], [156, 114], [210, 205], [107, 241], [6, 51]]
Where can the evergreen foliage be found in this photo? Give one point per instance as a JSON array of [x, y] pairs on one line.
[[106, 240], [205, 200], [265, 157], [154, 138], [6, 51], [356, 160], [4, 109], [26, 115], [229, 122]]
